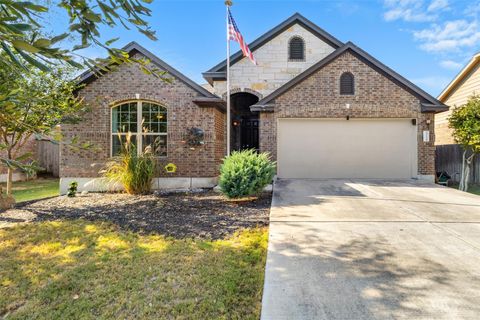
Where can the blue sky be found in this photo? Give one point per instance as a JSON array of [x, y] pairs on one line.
[[427, 41]]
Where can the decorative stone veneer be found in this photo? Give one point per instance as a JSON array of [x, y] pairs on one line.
[[375, 97], [122, 85], [274, 68]]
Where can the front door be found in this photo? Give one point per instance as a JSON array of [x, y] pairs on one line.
[[249, 134]]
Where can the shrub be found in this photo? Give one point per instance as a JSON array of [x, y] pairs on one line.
[[245, 173], [72, 189], [132, 170]]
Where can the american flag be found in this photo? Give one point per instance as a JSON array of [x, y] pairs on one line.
[[235, 35]]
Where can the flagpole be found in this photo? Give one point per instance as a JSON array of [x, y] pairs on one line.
[[228, 3]]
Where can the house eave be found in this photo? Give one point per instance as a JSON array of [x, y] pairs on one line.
[[368, 59], [214, 76], [208, 102], [433, 108], [446, 93]]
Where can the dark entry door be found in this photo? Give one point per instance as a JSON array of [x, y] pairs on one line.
[[249, 134]]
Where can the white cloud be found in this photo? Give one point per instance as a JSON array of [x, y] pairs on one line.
[[451, 36], [450, 64], [438, 5], [414, 10], [407, 10]]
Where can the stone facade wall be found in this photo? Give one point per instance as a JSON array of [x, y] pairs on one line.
[[274, 68], [122, 85], [375, 97]]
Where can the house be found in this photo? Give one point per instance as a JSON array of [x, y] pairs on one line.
[[457, 93], [322, 109]]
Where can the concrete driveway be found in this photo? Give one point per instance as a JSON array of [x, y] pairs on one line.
[[351, 249]]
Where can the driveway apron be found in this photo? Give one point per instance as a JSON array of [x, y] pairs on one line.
[[367, 249]]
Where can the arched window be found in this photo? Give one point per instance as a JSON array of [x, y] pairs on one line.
[[296, 49], [347, 84], [146, 122]]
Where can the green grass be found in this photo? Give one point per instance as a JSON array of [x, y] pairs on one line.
[[34, 189], [84, 270], [473, 188]]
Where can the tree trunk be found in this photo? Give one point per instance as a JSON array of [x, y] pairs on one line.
[[9, 180], [467, 173], [466, 164], [461, 185]]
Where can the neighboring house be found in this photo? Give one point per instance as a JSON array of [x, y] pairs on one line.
[[320, 107], [457, 93]]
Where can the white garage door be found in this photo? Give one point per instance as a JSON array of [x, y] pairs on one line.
[[357, 148]]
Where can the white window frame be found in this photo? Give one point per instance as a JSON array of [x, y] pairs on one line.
[[138, 134]]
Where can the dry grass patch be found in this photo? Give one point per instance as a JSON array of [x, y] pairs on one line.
[[85, 270]]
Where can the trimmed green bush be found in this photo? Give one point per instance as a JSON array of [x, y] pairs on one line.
[[245, 173], [133, 170], [72, 189]]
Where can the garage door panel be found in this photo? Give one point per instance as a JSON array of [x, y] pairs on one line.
[[315, 148]]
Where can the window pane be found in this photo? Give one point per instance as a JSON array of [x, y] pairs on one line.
[[157, 143], [154, 118], [118, 144], [124, 118], [146, 116], [161, 116]]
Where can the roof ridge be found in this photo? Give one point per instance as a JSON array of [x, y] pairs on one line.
[[133, 45], [267, 36], [460, 75], [393, 76]]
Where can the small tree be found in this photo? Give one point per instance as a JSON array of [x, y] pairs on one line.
[[36, 103], [465, 122]]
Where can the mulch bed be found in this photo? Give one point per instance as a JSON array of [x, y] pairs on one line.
[[180, 215]]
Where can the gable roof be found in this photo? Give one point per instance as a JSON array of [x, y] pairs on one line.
[[219, 71], [429, 103], [462, 75], [132, 48]]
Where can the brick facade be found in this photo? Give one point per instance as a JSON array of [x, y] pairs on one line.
[[316, 96], [376, 96], [123, 85]]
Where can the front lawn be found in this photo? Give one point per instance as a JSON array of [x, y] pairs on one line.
[[76, 269], [34, 189], [119, 256]]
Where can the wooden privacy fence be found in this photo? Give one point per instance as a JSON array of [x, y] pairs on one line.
[[48, 156], [449, 158]]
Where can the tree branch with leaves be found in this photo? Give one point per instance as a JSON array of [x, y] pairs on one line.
[[23, 40]]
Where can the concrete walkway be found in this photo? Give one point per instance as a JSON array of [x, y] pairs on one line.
[[348, 249]]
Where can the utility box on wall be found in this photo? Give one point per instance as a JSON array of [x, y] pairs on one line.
[[426, 136]]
